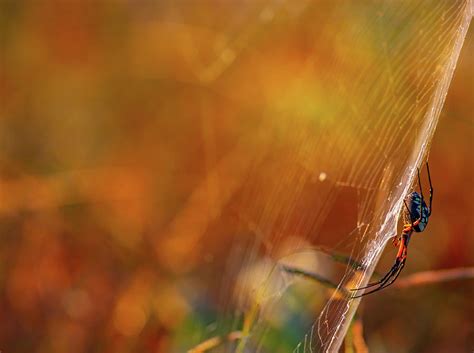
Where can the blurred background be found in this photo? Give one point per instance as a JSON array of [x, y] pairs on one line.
[[96, 160]]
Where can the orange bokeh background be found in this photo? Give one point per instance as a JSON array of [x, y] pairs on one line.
[[86, 158]]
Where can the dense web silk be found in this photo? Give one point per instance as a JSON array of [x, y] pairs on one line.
[[314, 118]]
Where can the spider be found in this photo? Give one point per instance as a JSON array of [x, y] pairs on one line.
[[416, 218]]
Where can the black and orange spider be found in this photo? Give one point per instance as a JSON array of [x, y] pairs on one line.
[[416, 218]]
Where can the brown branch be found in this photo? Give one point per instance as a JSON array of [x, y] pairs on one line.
[[437, 276]]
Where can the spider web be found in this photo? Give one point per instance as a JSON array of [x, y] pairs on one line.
[[314, 117]]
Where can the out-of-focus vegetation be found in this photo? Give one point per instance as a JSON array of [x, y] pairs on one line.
[[95, 165]]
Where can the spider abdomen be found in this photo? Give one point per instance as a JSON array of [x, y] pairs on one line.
[[413, 201]]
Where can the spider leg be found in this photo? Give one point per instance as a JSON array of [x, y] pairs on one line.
[[394, 271], [396, 240], [386, 283], [382, 280], [396, 276], [431, 188]]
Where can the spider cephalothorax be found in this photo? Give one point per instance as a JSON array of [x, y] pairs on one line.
[[416, 217]]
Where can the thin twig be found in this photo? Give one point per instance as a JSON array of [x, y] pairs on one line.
[[437, 276]]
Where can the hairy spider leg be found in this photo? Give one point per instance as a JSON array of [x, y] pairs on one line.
[[397, 272], [381, 281], [402, 265], [378, 282], [403, 249], [394, 271], [406, 229], [401, 257]]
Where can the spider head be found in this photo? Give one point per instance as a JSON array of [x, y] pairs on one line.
[[413, 202]]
